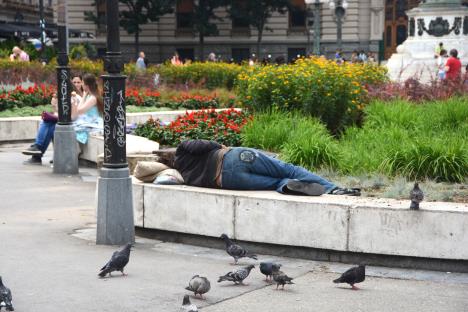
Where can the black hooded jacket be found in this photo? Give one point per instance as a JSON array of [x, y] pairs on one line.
[[197, 160]]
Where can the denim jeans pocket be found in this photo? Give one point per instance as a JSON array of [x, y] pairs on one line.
[[247, 156]]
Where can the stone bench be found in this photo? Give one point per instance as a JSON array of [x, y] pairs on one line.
[[338, 223], [138, 148]]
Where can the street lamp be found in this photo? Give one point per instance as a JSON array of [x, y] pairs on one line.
[[65, 153], [339, 7], [115, 204], [314, 18], [42, 29]]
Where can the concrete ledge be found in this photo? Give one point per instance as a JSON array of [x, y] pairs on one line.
[[18, 129], [93, 150], [337, 223]]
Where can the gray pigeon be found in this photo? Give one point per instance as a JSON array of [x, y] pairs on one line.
[[267, 269], [187, 306], [5, 297], [235, 250], [353, 276], [237, 276], [117, 262], [279, 277], [199, 285], [416, 196]]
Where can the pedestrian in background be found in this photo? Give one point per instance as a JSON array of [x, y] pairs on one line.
[[19, 55], [453, 66], [140, 63]]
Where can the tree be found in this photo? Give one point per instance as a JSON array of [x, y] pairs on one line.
[[139, 12], [203, 17], [256, 13]]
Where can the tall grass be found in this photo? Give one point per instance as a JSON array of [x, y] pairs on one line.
[[416, 141]]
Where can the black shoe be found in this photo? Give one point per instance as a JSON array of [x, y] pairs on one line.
[[34, 160], [32, 150], [304, 188], [346, 191]]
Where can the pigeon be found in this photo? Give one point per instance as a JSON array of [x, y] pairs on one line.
[[5, 297], [237, 276], [267, 269], [235, 250], [199, 285], [117, 262], [416, 196], [187, 306], [353, 276], [279, 277]]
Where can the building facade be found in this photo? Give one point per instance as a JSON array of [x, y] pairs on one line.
[[370, 25]]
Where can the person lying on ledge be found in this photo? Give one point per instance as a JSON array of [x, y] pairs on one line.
[[209, 164]]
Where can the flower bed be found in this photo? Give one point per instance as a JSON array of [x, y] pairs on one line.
[[223, 127], [29, 97], [318, 87], [206, 75]]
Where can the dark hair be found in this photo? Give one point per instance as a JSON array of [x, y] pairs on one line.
[[81, 78], [454, 53], [441, 43], [90, 81], [167, 157]]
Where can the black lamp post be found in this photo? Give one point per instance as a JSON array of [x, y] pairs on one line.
[[339, 8], [115, 204], [65, 149]]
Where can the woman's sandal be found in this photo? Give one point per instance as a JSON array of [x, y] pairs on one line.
[[346, 191]]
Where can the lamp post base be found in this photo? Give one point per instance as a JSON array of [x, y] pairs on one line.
[[115, 225], [65, 150]]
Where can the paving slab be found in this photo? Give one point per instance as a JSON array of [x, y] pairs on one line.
[[50, 261]]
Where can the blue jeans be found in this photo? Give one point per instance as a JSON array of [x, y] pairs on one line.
[[250, 169], [45, 134]]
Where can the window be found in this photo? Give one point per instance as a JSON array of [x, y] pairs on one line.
[[240, 54], [297, 14], [241, 6], [294, 53], [184, 14], [186, 54]]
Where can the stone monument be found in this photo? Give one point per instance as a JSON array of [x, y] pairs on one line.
[[432, 22]]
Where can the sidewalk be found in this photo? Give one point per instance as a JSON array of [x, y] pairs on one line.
[[48, 259]]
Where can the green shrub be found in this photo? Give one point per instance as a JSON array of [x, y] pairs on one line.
[[317, 87], [268, 131], [311, 146]]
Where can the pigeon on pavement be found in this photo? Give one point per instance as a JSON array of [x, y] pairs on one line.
[[237, 276], [416, 196], [279, 277], [117, 262], [235, 250], [5, 297], [267, 269], [353, 276], [187, 306], [199, 285]]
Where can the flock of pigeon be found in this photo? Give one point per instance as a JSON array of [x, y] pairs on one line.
[[200, 285]]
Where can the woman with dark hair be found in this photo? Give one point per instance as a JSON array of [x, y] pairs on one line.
[[453, 67], [46, 130], [87, 112]]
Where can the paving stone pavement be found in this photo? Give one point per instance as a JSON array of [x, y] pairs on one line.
[[50, 261]]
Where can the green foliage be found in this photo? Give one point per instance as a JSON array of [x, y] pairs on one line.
[[78, 52], [317, 87], [268, 131], [418, 142]]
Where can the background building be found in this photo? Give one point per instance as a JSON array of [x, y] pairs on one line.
[[370, 25]]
